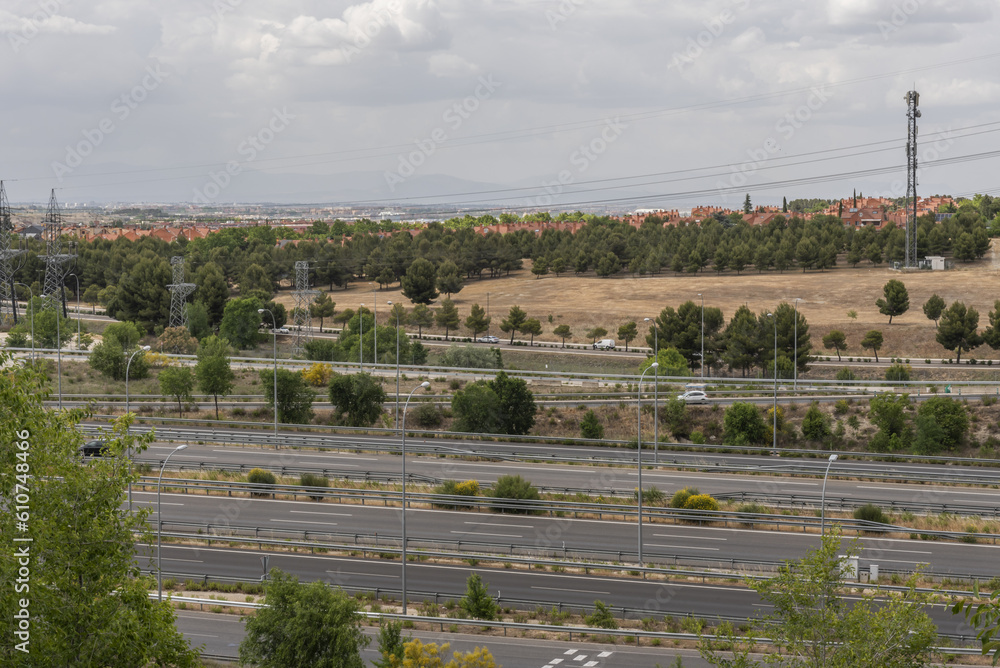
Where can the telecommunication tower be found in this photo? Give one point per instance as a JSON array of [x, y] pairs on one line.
[[56, 261], [11, 259], [301, 318], [179, 291], [912, 99]]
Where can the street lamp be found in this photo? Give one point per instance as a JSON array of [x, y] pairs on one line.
[[795, 348], [128, 366], [702, 364], [361, 338], [822, 503], [396, 421], [32, 302], [402, 451], [656, 388], [774, 409], [59, 316], [159, 524], [274, 345], [77, 310], [375, 324], [638, 458]]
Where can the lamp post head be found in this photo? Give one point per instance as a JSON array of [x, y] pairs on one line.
[[180, 447], [654, 365], [645, 319], [261, 310], [425, 384], [389, 302], [144, 348], [833, 458]]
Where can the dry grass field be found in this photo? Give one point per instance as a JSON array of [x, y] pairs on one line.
[[583, 302]]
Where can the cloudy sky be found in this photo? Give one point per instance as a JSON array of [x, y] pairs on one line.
[[523, 104]]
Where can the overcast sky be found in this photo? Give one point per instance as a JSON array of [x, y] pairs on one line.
[[555, 103]]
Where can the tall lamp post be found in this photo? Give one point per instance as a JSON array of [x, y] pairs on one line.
[[396, 421], [375, 324], [402, 451], [77, 310], [702, 364], [159, 524], [361, 338], [822, 503], [32, 302], [774, 409], [59, 316], [274, 345], [128, 366], [656, 388], [795, 348], [638, 458]]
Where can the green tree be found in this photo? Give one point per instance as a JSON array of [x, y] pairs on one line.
[[682, 329], [256, 282], [477, 321], [515, 404], [836, 340], [358, 396], [141, 297], [812, 624], [596, 333], [46, 328], [468, 357], [896, 300], [111, 355], [477, 602], [177, 340], [991, 336], [303, 626], [672, 363], [177, 382], [747, 205], [873, 340], [563, 332], [628, 332], [213, 371], [743, 424], [608, 265], [390, 644], [322, 307], [280, 315], [590, 425], [984, 616], [92, 296], [815, 424], [933, 308], [197, 320], [531, 327], [88, 603], [957, 329], [240, 322], [294, 396], [942, 424], [447, 317], [421, 316], [743, 341], [888, 413], [449, 278], [419, 282], [213, 291], [475, 409], [513, 322]]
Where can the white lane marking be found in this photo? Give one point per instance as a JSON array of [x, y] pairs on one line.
[[165, 503], [590, 664], [372, 575], [316, 512], [329, 456], [580, 591], [498, 535], [201, 635], [193, 561], [886, 549], [604, 655], [903, 561], [929, 491], [328, 524], [684, 547], [670, 535], [509, 526]]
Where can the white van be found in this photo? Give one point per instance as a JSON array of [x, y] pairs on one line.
[[605, 344]]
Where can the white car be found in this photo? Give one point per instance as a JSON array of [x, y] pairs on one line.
[[489, 338], [693, 397], [282, 330]]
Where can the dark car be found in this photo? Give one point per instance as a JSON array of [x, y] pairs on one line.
[[95, 448]]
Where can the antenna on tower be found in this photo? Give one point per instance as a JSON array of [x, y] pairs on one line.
[[912, 99], [12, 258], [179, 291], [301, 317]]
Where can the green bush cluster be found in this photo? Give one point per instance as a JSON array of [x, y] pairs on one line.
[[681, 496], [313, 480], [260, 477], [513, 488]]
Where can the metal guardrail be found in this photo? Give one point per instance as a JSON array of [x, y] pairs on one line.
[[851, 503], [742, 519]]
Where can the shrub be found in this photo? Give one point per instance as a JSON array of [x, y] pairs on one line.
[[870, 513], [313, 480], [260, 477], [743, 425], [845, 373], [841, 407], [427, 415], [477, 603], [942, 424], [17, 340], [318, 375], [590, 426], [513, 488], [898, 372], [681, 496], [601, 618], [815, 425], [701, 502], [651, 496], [455, 488], [697, 437]]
